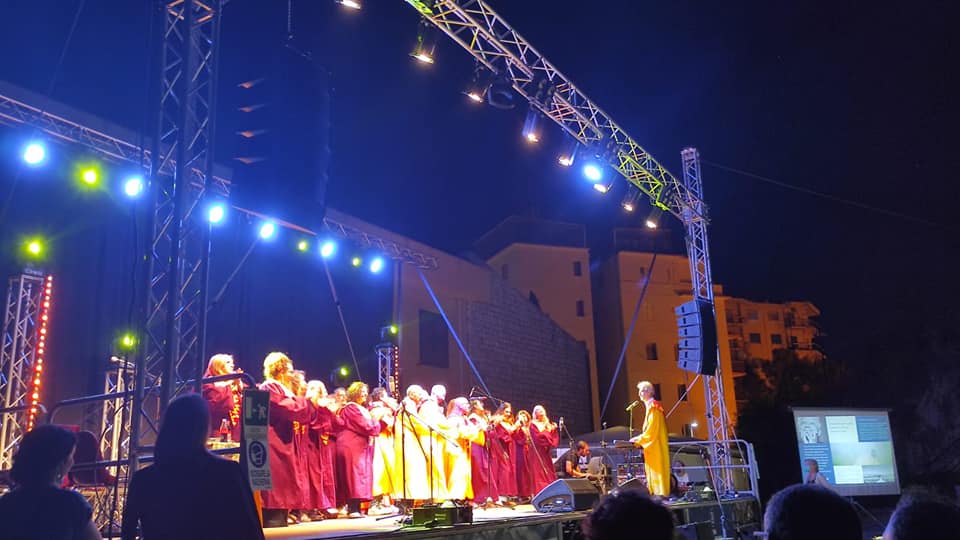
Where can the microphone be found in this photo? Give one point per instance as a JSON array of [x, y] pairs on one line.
[[632, 405], [561, 423]]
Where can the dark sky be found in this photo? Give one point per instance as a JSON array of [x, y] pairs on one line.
[[855, 100]]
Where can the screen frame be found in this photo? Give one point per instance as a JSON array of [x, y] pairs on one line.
[[851, 490]]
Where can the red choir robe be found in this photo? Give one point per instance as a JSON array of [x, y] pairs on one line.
[[537, 460], [480, 466], [355, 453], [224, 403], [288, 470], [501, 454], [319, 458], [522, 453]]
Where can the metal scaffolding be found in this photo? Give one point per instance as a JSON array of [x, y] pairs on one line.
[[21, 350], [513, 60]]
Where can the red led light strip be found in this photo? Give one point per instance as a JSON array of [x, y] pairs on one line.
[[34, 395]]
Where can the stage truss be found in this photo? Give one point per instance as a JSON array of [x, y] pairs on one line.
[[25, 318], [494, 44]]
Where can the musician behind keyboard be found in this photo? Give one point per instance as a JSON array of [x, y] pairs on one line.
[[574, 463]]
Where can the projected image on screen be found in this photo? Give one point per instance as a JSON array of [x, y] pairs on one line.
[[852, 449]]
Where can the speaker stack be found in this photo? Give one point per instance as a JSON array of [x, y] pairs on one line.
[[566, 495]]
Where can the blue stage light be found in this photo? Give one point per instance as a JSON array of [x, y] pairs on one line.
[[376, 265], [327, 249], [34, 153], [133, 186], [216, 213], [593, 171], [268, 230]]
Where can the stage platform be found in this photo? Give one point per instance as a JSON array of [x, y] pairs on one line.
[[522, 522]]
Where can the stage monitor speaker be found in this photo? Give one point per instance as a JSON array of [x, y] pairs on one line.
[[633, 484], [442, 516], [697, 329], [566, 495]]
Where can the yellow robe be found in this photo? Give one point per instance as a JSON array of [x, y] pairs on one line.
[[410, 469], [432, 414], [457, 457], [656, 452], [384, 451]]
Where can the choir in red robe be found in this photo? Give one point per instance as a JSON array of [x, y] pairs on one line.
[[355, 449], [223, 397]]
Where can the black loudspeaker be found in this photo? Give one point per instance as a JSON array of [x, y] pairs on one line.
[[633, 484], [695, 531], [697, 329], [566, 495]]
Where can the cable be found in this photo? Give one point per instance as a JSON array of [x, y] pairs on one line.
[[827, 196], [682, 396]]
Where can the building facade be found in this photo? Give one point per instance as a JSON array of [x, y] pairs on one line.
[[757, 329]]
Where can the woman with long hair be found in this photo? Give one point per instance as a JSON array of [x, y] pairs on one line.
[[355, 449], [502, 451], [383, 409], [457, 457], [322, 463], [524, 454], [189, 492], [481, 477], [223, 397], [37, 507], [544, 437]]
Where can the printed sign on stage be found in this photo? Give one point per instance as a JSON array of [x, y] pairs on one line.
[[256, 414]]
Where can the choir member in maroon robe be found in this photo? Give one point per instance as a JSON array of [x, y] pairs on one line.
[[223, 397], [305, 450], [545, 439], [480, 466], [501, 452], [523, 447], [287, 470], [323, 486], [355, 449]]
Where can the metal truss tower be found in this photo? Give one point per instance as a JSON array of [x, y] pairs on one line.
[[115, 415], [24, 334], [174, 309], [493, 43]]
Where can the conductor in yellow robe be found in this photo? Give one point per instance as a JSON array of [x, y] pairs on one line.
[[653, 440]]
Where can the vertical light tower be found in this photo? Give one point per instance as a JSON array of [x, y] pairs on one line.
[[23, 337]]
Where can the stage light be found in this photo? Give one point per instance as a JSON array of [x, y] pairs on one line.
[[356, 261], [344, 371], [477, 89], [531, 126], [426, 43], [603, 187], [631, 198], [327, 249], [475, 94], [34, 248], [128, 341], [34, 153], [569, 153], [376, 265], [352, 4], [303, 245], [133, 186], [90, 176], [593, 171], [394, 329], [500, 93], [653, 220], [268, 230], [216, 213]]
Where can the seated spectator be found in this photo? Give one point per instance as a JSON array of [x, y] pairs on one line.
[[189, 492], [806, 511], [923, 516], [628, 514], [37, 507]]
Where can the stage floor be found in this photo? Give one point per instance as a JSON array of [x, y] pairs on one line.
[[370, 528]]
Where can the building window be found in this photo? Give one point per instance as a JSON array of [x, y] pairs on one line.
[[733, 344], [577, 268], [773, 315], [754, 338], [505, 272], [434, 340], [729, 316], [580, 311], [793, 341], [651, 351], [752, 315], [656, 392], [681, 392], [776, 339]]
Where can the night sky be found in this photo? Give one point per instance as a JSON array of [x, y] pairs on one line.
[[857, 101]]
